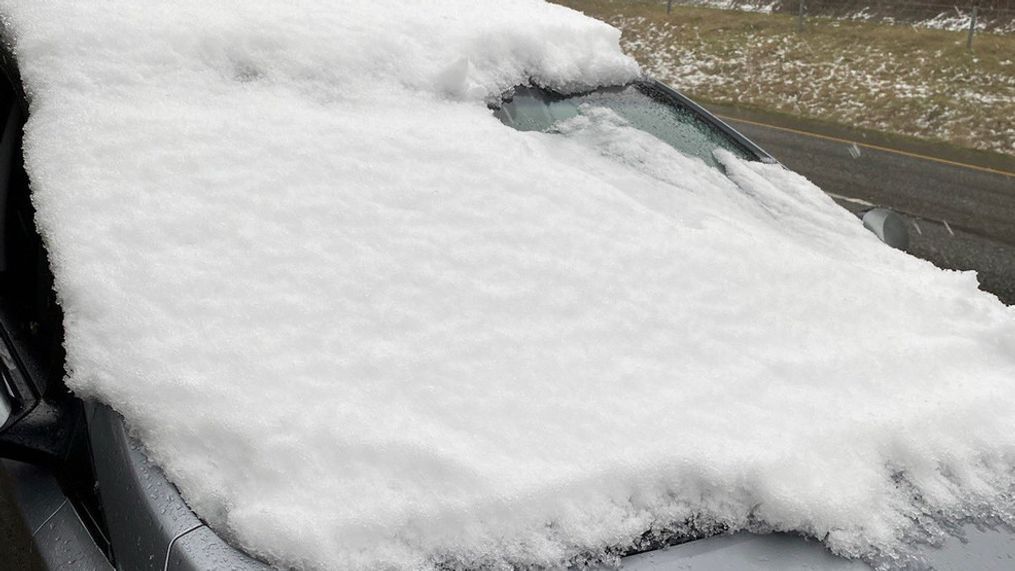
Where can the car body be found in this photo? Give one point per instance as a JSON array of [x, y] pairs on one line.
[[90, 498]]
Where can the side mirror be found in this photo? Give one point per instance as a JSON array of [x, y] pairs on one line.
[[36, 425], [888, 226], [5, 407], [17, 394]]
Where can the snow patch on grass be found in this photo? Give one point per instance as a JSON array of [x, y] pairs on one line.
[[763, 7], [882, 83], [957, 18]]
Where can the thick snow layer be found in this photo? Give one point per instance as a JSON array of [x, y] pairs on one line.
[[361, 323]]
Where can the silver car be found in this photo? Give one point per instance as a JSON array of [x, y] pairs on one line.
[[87, 496]]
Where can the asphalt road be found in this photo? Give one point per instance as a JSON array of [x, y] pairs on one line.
[[962, 215]]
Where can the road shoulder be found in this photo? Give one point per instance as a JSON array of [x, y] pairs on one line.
[[902, 143]]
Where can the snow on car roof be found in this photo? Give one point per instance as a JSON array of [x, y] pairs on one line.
[[361, 323]]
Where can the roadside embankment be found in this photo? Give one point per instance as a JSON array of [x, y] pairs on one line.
[[895, 79]]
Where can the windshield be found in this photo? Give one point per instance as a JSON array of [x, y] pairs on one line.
[[535, 109]]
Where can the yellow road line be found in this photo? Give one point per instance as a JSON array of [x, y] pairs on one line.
[[869, 146]]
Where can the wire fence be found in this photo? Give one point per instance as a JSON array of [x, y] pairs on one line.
[[971, 16], [986, 7]]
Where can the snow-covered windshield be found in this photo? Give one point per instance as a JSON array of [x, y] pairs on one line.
[[361, 324], [642, 106]]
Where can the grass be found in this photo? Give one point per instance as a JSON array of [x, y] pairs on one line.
[[897, 79]]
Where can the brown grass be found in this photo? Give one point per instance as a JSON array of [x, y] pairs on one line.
[[896, 79]]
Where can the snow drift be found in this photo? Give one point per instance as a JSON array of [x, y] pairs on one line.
[[361, 323]]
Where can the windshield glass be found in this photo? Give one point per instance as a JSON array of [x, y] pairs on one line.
[[535, 109]]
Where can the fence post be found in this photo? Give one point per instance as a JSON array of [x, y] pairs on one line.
[[669, 6], [800, 18], [972, 29]]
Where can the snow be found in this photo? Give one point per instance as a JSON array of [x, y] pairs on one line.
[[362, 324], [763, 6]]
